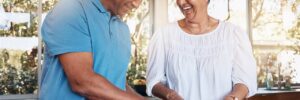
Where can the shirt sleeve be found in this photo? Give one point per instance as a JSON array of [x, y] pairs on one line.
[[156, 62], [244, 69], [65, 29]]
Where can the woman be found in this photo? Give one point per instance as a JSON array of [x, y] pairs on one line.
[[200, 58]]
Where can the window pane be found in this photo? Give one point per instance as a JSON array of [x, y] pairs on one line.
[[276, 25], [238, 13], [18, 71], [18, 49], [140, 30], [18, 45]]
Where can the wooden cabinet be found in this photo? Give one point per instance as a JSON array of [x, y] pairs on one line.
[[277, 96]]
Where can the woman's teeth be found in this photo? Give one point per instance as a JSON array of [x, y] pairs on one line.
[[186, 8]]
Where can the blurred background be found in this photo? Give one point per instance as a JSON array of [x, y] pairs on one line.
[[273, 27]]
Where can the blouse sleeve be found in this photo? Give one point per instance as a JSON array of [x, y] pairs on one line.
[[156, 62], [244, 69]]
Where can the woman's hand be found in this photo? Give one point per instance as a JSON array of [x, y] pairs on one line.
[[239, 92], [229, 97]]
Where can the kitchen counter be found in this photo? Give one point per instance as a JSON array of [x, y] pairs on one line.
[[263, 94]]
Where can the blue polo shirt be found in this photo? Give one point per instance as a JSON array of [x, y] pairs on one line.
[[83, 26]]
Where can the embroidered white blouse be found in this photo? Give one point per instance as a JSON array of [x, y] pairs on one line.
[[201, 67]]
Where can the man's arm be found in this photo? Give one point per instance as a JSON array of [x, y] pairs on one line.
[[239, 90], [83, 80]]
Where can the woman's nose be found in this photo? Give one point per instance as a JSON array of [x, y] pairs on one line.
[[180, 2]]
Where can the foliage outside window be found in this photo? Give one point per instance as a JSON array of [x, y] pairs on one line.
[[140, 29], [18, 45]]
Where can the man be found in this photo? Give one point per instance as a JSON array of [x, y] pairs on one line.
[[87, 50]]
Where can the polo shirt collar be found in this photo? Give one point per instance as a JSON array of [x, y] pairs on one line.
[[99, 5]]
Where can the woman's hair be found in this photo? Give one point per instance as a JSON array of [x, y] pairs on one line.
[[208, 1]]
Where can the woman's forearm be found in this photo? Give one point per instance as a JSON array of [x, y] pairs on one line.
[[240, 91], [161, 91]]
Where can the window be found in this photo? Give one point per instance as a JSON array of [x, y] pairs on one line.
[[20, 47], [275, 26], [139, 23], [18, 63]]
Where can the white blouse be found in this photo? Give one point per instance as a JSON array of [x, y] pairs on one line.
[[201, 67]]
